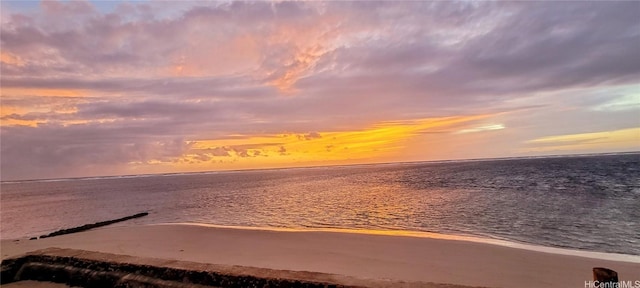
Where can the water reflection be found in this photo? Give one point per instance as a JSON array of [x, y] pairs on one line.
[[557, 202]]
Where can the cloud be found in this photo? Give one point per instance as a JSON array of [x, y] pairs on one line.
[[621, 103], [84, 86], [52, 150], [620, 140], [488, 127], [309, 136], [220, 151]]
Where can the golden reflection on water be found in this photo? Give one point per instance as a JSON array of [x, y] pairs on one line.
[[363, 202]]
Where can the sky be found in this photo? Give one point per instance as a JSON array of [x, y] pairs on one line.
[[92, 88]]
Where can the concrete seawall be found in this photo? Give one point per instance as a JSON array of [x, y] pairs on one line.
[[94, 269]]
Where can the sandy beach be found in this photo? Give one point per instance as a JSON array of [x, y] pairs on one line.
[[365, 256]]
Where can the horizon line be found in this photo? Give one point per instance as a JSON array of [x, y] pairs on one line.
[[317, 166]]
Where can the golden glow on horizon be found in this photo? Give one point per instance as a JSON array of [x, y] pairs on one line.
[[381, 142], [616, 139]]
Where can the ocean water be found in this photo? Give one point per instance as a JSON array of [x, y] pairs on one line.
[[587, 203]]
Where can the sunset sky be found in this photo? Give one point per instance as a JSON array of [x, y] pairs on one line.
[[110, 88]]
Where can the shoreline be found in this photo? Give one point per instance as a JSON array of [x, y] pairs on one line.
[[434, 235], [360, 255], [612, 256]]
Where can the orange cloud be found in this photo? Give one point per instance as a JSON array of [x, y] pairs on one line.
[[302, 62], [11, 59], [11, 115], [7, 110], [307, 45], [43, 92], [12, 110]]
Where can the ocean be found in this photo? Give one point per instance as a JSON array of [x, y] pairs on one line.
[[581, 202]]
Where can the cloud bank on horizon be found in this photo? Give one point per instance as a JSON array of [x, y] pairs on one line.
[[104, 88]]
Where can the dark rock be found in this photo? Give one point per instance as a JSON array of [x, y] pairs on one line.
[[605, 275]]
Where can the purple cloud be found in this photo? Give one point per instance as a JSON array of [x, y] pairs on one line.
[[153, 77]]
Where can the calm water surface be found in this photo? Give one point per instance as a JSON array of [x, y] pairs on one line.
[[590, 202]]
